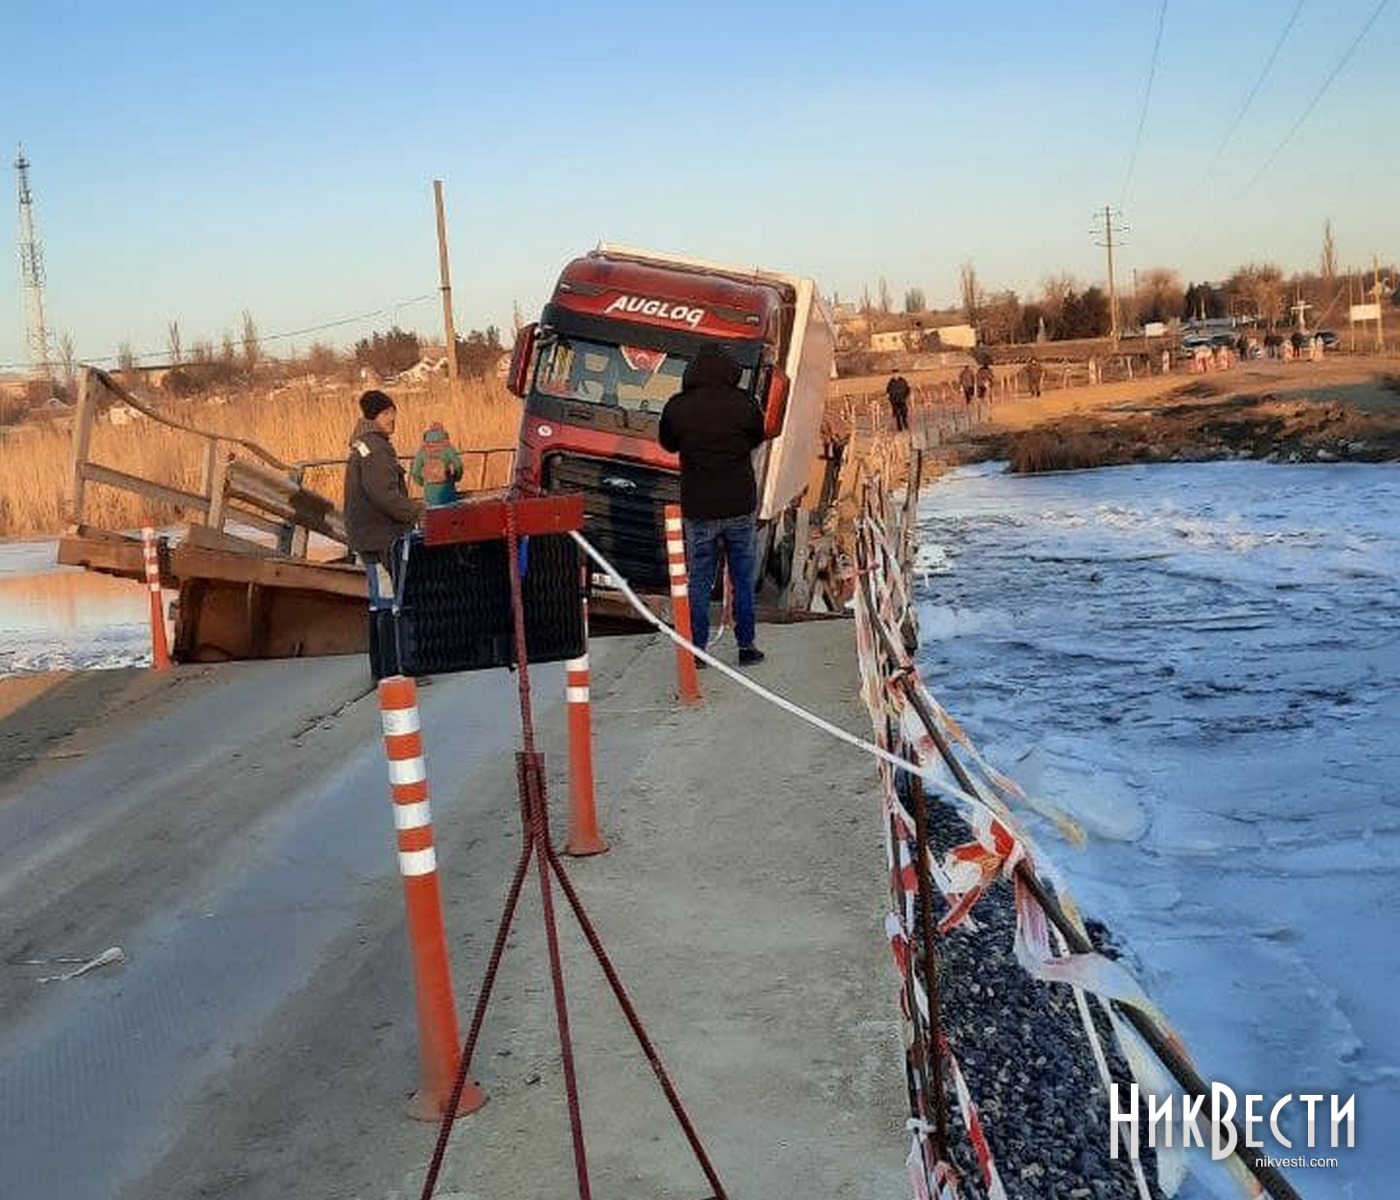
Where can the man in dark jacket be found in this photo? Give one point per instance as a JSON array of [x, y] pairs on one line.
[[714, 427], [377, 507], [897, 392]]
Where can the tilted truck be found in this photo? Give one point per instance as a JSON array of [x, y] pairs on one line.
[[607, 353]]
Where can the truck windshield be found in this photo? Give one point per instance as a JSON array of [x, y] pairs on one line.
[[632, 377]]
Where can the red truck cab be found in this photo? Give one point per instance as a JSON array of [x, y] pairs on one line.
[[609, 350]]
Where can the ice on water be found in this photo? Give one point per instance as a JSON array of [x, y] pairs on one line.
[[56, 618], [1200, 662]]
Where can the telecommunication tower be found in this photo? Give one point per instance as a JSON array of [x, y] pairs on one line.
[[31, 263]]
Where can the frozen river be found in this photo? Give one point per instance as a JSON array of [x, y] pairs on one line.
[[58, 618], [1200, 662]]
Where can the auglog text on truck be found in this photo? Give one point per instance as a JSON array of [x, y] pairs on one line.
[[657, 308]]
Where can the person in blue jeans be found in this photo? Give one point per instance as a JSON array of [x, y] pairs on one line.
[[715, 426]]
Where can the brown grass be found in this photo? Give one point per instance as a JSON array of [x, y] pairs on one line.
[[297, 425], [1057, 452]]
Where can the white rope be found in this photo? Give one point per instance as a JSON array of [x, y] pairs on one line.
[[928, 774]]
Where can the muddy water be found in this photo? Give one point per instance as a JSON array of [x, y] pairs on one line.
[[60, 618]]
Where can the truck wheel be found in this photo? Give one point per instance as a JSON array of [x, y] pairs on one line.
[[781, 549]]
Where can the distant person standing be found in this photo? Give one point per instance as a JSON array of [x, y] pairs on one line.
[[437, 467], [377, 506], [986, 381], [715, 427], [1034, 373], [967, 380], [897, 392]]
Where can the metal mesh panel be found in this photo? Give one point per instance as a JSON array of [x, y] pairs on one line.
[[455, 612]]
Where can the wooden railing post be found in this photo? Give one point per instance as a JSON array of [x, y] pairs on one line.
[[207, 469], [218, 488], [82, 438]]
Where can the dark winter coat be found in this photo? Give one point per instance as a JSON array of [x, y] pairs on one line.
[[714, 427], [377, 507], [898, 392]]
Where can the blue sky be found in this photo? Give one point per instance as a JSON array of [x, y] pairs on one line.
[[191, 162]]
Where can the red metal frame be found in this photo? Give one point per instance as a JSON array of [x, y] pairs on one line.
[[487, 520], [514, 518]]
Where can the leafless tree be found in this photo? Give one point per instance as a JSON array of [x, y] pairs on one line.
[[1259, 287], [1159, 294], [126, 361], [886, 303], [252, 348], [322, 360], [914, 301], [67, 361], [172, 339], [1000, 317], [971, 292], [1329, 253], [1054, 291]]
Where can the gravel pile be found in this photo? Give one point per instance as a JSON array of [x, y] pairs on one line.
[[1026, 1058]]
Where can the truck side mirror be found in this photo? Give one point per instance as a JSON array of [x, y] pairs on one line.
[[521, 355], [775, 405]]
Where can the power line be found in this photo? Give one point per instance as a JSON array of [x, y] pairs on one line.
[[1146, 97], [1254, 91], [1322, 91], [261, 338]]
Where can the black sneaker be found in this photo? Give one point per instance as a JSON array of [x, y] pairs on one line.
[[748, 655], [700, 663]]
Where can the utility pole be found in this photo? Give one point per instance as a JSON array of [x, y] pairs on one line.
[[1351, 308], [1107, 242], [31, 261], [1376, 292], [449, 331]]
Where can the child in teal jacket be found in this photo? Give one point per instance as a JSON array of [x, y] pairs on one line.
[[437, 467]]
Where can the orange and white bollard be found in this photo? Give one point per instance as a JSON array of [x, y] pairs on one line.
[[584, 837], [160, 646], [686, 674], [439, 1051]]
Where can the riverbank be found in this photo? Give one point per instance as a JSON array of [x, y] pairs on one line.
[[1333, 411]]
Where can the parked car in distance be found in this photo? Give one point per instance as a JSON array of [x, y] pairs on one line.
[[1328, 338]]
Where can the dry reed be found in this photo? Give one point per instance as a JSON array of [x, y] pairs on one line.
[[1036, 452], [296, 425]]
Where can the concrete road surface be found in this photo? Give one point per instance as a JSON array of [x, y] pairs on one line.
[[229, 829]]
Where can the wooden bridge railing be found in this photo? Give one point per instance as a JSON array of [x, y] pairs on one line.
[[240, 482]]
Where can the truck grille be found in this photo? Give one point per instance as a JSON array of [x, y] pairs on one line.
[[623, 506]]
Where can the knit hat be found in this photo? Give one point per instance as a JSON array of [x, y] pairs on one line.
[[435, 433], [375, 402]]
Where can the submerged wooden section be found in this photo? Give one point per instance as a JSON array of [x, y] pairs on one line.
[[237, 604], [239, 597]]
